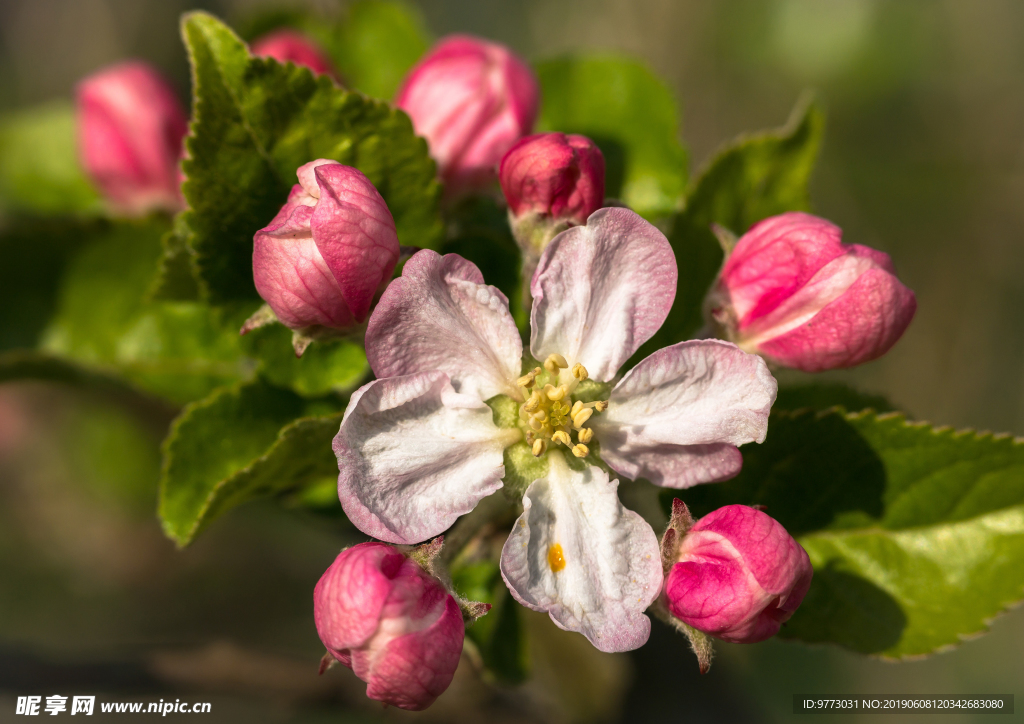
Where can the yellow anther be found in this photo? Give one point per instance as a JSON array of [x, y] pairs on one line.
[[540, 416], [562, 437], [599, 406], [527, 380], [577, 406], [586, 435], [533, 403], [536, 424], [580, 418], [580, 451], [555, 362], [579, 372], [555, 393], [539, 446]]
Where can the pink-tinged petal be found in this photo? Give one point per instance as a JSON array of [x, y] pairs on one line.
[[739, 575], [602, 290], [292, 276], [415, 668], [306, 173], [289, 46], [775, 259], [606, 570], [414, 455], [677, 417], [441, 316], [860, 325], [348, 601], [355, 233]]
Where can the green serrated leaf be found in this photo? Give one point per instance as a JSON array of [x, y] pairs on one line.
[[177, 350], [916, 533], [759, 175], [753, 177], [243, 442], [376, 44], [39, 168], [254, 123], [175, 278], [631, 115]]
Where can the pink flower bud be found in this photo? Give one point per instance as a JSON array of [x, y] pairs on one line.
[[380, 614], [471, 100], [555, 175], [289, 46], [739, 575], [130, 131], [320, 261], [794, 293]]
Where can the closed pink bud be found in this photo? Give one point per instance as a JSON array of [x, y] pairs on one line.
[[380, 614], [555, 175], [289, 46], [130, 131], [320, 261], [471, 100], [739, 575], [794, 293]]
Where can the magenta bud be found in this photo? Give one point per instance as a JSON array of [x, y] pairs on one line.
[[738, 575], [380, 614], [130, 131], [792, 292], [289, 46], [471, 100], [320, 261], [558, 176]]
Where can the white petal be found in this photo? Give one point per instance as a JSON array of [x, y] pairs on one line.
[[414, 455], [602, 290], [612, 566], [441, 316], [677, 417]]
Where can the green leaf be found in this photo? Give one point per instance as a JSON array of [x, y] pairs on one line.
[[753, 177], [254, 123], [176, 350], [916, 533], [240, 443], [759, 175], [326, 366], [631, 115], [176, 277], [376, 45], [499, 635], [39, 168]]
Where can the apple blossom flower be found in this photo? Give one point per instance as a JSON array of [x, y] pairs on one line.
[[791, 291], [471, 99], [382, 615], [551, 181], [418, 447], [130, 131], [738, 575], [290, 46], [319, 263]]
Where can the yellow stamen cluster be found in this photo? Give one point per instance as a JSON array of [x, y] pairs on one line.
[[549, 412]]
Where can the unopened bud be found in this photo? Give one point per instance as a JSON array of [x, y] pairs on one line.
[[289, 46], [791, 291], [737, 575]]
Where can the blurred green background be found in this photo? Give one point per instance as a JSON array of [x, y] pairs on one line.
[[923, 158]]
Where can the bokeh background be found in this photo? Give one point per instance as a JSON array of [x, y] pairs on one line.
[[923, 158]]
